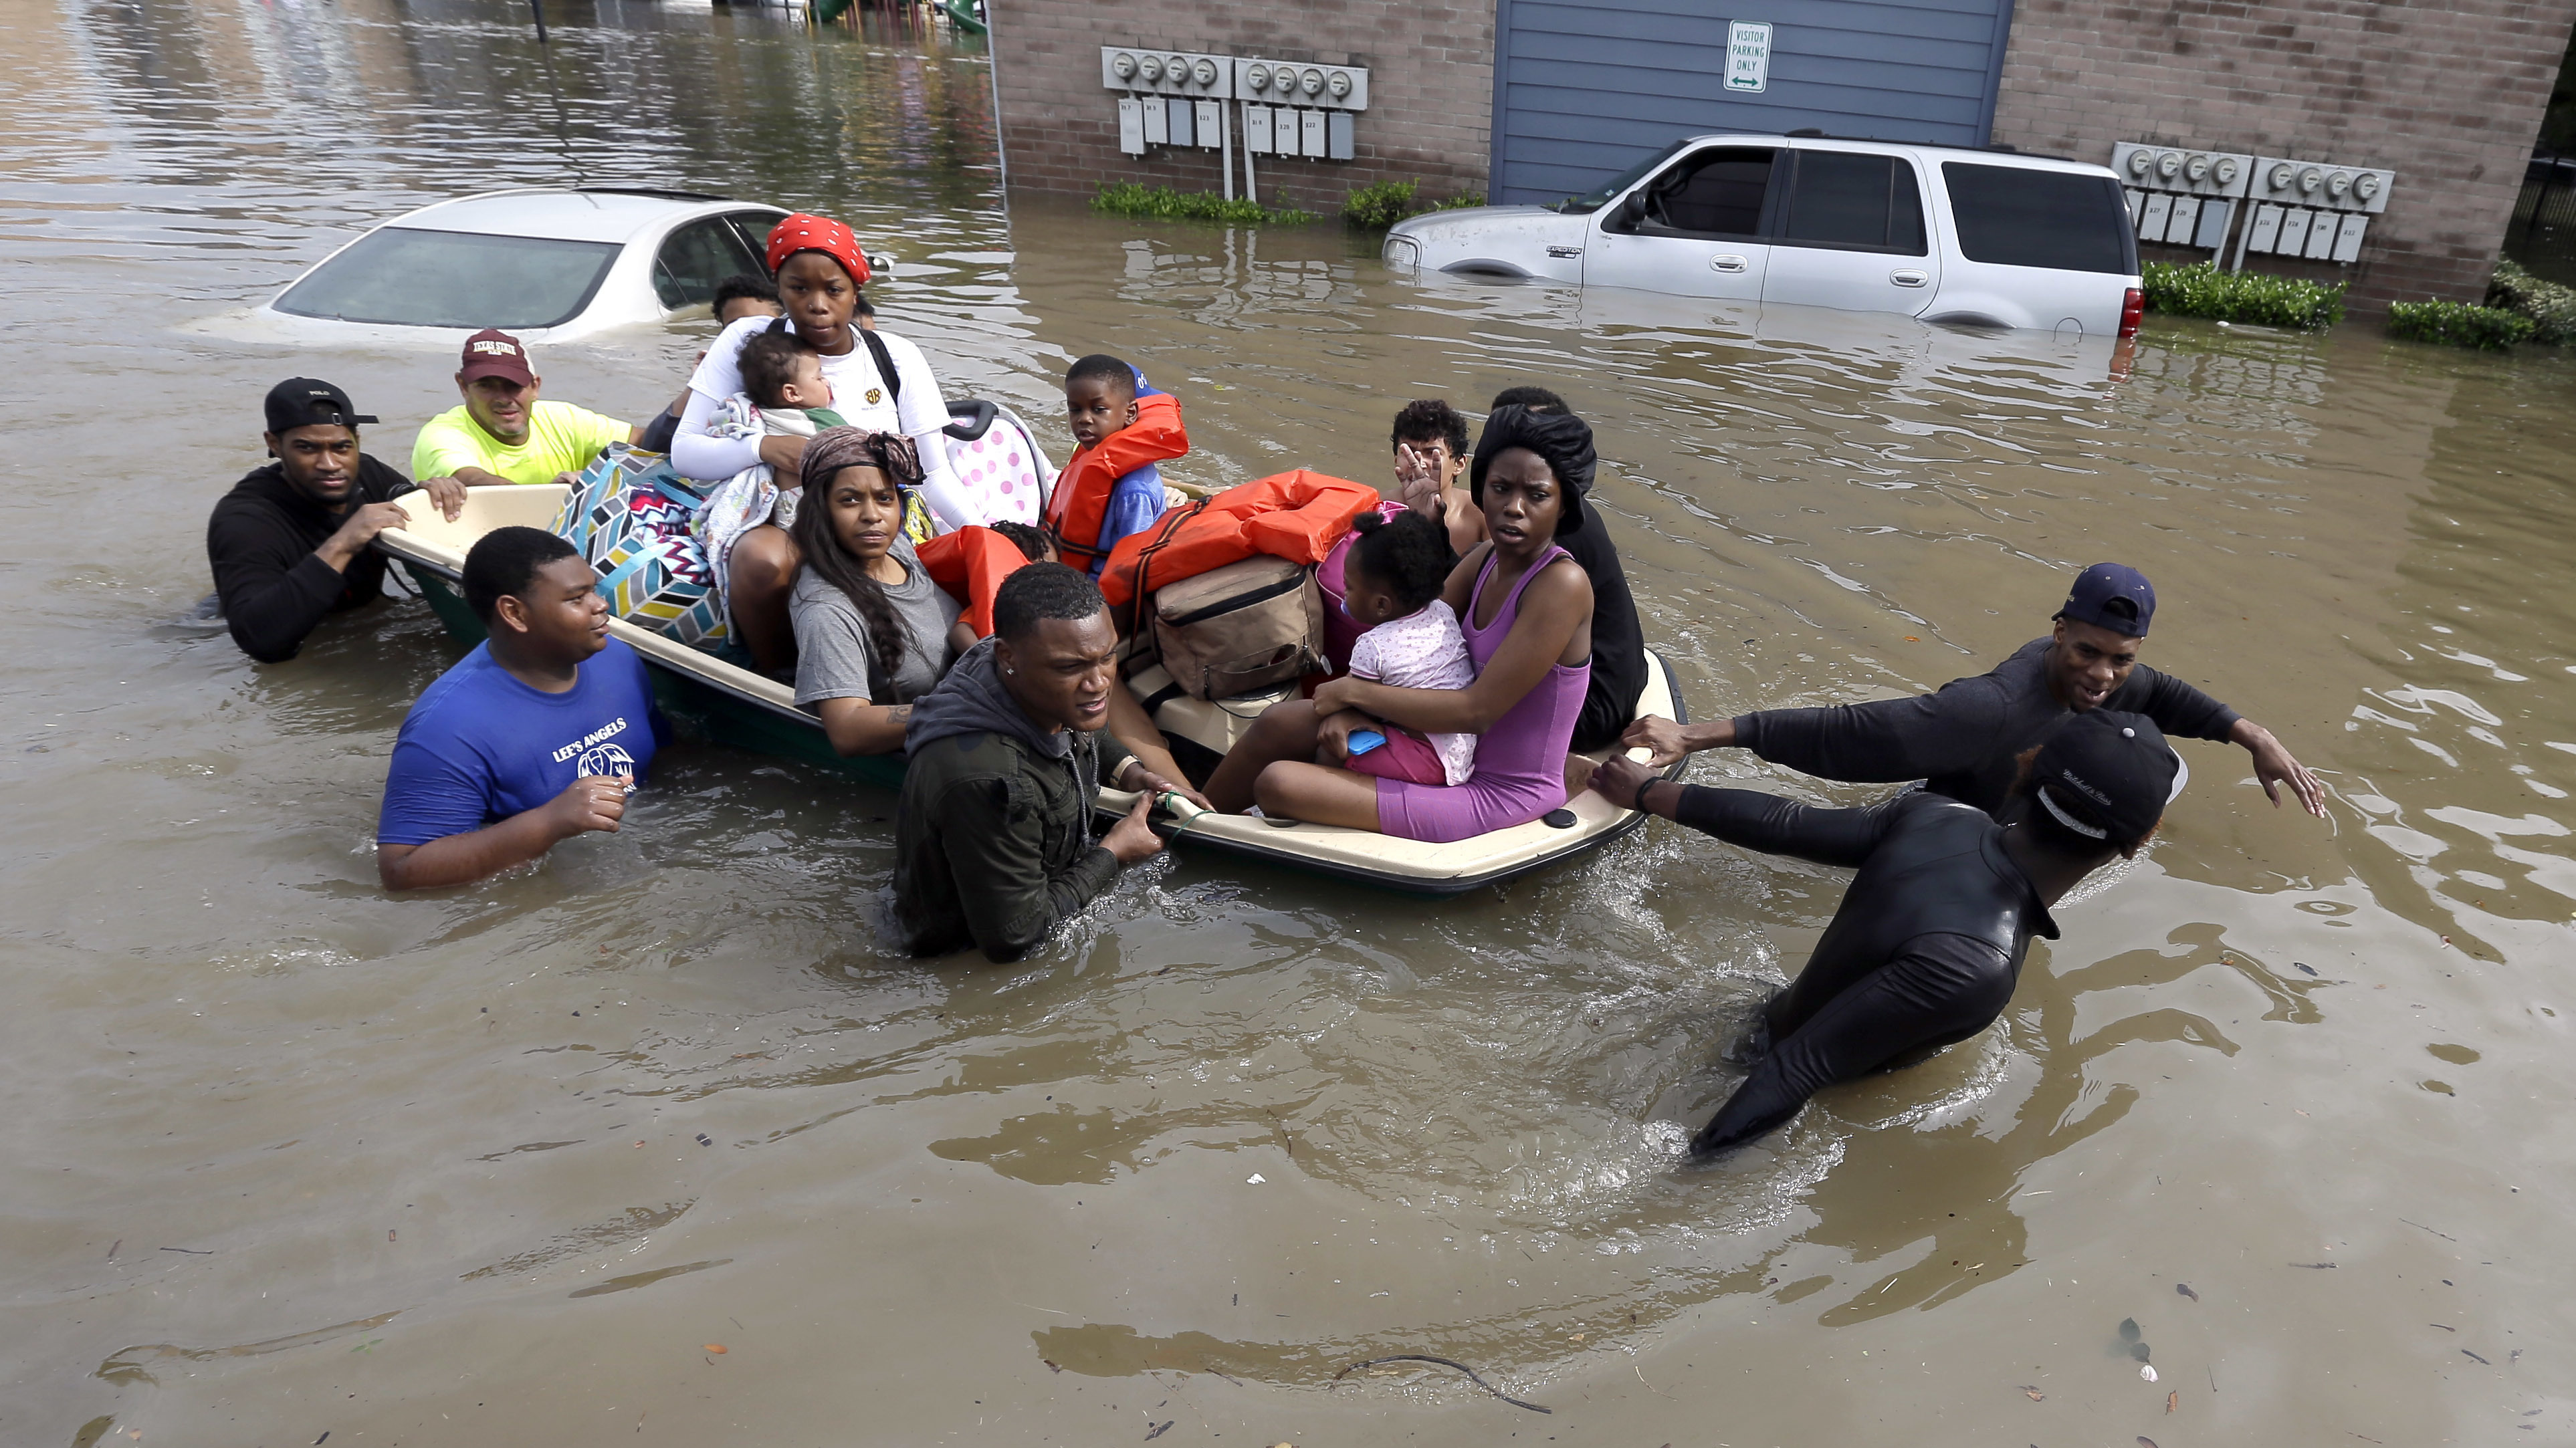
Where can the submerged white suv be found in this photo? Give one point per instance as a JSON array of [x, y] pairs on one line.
[[1988, 238]]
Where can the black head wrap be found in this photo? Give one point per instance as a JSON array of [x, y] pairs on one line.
[[1562, 441]]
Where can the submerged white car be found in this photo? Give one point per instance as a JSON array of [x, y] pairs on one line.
[[548, 264], [1986, 238]]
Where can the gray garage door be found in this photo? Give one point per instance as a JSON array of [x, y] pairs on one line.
[[1585, 88]]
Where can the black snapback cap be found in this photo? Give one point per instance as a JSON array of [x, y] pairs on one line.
[[310, 402], [2106, 775], [2114, 596]]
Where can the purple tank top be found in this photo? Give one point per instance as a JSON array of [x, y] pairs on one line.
[[1528, 744]]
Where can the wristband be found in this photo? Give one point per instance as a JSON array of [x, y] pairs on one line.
[[1649, 782]]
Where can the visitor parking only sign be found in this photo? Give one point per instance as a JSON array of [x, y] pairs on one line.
[[1748, 56]]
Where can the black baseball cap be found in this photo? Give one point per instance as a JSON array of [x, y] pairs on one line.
[[2115, 596], [310, 402], [2106, 775]]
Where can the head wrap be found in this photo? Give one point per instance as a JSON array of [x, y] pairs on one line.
[[1561, 440], [803, 232], [835, 448]]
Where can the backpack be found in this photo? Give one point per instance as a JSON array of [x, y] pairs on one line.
[[1240, 629]]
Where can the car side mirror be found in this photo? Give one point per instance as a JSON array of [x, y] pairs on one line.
[[1630, 214]]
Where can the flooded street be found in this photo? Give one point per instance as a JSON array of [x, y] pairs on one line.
[[663, 1142]]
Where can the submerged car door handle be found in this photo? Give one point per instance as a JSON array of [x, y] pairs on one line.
[[1727, 261], [1909, 277]]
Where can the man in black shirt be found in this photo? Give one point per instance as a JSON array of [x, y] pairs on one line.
[[289, 543], [1927, 945], [1965, 741]]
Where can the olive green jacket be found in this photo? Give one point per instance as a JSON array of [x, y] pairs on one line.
[[994, 841]]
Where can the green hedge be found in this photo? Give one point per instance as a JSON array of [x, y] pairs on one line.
[[1162, 203], [1375, 208], [2202, 290], [2457, 324], [2551, 308]]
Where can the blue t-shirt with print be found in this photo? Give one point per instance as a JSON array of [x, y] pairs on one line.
[[480, 746]]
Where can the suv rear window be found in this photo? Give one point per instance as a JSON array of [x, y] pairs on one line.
[[408, 278], [1855, 202], [2019, 216]]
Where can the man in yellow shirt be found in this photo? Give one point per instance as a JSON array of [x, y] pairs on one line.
[[503, 434]]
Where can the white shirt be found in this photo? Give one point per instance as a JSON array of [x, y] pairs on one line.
[[919, 414]]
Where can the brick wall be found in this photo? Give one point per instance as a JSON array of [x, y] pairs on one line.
[[2448, 96], [1431, 92]]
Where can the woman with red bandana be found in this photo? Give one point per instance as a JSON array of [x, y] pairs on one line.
[[889, 389]]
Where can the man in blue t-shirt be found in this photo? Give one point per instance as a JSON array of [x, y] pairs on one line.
[[535, 737]]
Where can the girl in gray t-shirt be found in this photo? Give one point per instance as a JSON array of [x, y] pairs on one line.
[[873, 633]]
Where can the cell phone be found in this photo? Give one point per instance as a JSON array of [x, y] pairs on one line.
[[1364, 740]]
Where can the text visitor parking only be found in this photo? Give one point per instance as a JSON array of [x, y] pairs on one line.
[[1748, 55]]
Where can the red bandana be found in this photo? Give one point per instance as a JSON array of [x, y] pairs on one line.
[[802, 232]]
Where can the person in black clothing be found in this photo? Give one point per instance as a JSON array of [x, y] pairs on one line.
[[1618, 644], [289, 543], [1927, 945], [1965, 741]]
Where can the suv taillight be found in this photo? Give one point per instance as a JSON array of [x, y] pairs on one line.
[[2132, 308]]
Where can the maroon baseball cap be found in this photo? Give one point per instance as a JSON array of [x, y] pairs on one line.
[[495, 353]]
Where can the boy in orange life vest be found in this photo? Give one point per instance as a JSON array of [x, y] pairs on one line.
[[1121, 428]]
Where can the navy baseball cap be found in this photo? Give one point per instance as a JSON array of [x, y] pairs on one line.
[[2107, 775], [2114, 596], [309, 402]]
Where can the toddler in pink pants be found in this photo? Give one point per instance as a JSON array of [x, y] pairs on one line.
[[1393, 574]]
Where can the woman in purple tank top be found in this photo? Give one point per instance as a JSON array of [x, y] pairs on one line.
[[1527, 611]]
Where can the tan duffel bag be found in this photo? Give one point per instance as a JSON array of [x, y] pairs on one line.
[[1240, 629]]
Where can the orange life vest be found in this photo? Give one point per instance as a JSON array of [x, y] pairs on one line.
[[1297, 515], [970, 565], [1080, 502]]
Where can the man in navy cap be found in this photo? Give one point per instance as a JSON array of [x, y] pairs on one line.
[[289, 543], [1965, 740], [1927, 945]]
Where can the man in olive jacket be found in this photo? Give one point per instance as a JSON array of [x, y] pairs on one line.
[[993, 842]]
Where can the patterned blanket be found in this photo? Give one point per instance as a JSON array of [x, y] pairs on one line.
[[632, 517]]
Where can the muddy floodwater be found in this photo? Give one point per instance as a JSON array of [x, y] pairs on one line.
[[661, 1142]]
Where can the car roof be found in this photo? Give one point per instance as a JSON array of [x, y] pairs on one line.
[[570, 213], [1983, 155]]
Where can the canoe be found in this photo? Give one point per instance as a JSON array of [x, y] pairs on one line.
[[733, 706]]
